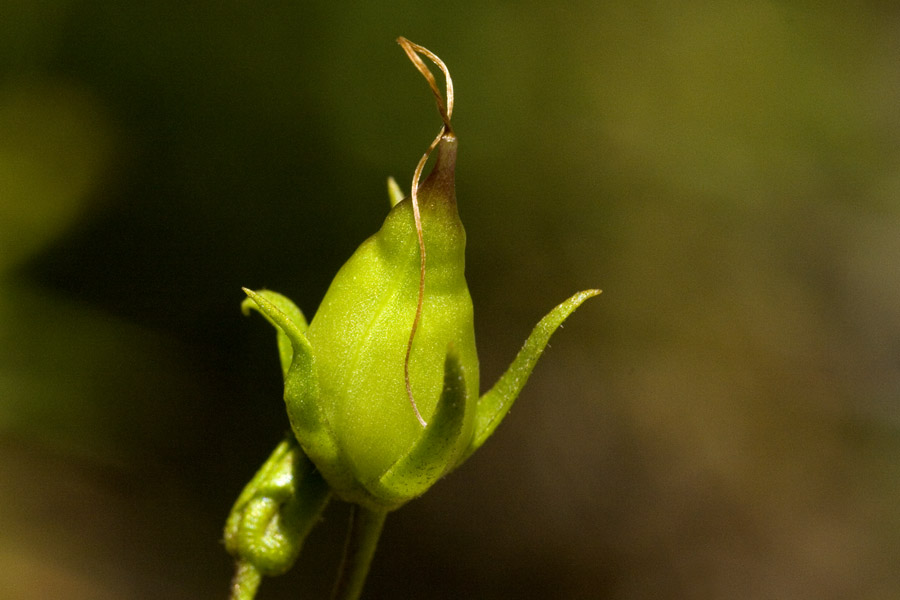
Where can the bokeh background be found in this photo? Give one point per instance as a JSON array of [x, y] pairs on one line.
[[723, 422]]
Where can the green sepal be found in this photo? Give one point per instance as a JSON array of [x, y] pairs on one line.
[[301, 397], [495, 403], [276, 510], [285, 305], [395, 193], [434, 452]]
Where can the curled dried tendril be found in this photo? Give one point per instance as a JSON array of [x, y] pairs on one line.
[[446, 110]]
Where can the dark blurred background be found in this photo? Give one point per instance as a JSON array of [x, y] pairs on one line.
[[723, 422]]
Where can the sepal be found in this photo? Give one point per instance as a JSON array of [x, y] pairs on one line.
[[301, 397], [495, 403], [286, 306], [395, 193], [434, 452]]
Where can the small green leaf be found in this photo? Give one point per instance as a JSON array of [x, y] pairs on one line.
[[494, 404]]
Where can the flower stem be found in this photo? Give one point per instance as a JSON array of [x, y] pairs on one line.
[[245, 582], [362, 538]]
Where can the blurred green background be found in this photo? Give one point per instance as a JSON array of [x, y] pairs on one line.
[[723, 422]]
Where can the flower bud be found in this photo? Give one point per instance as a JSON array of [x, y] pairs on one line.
[[276, 510], [361, 330], [392, 347], [390, 351]]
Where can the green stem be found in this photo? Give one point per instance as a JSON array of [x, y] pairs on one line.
[[365, 529], [245, 582]]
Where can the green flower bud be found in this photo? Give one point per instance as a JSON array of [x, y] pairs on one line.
[[362, 328], [271, 518], [381, 388], [392, 346], [357, 345]]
